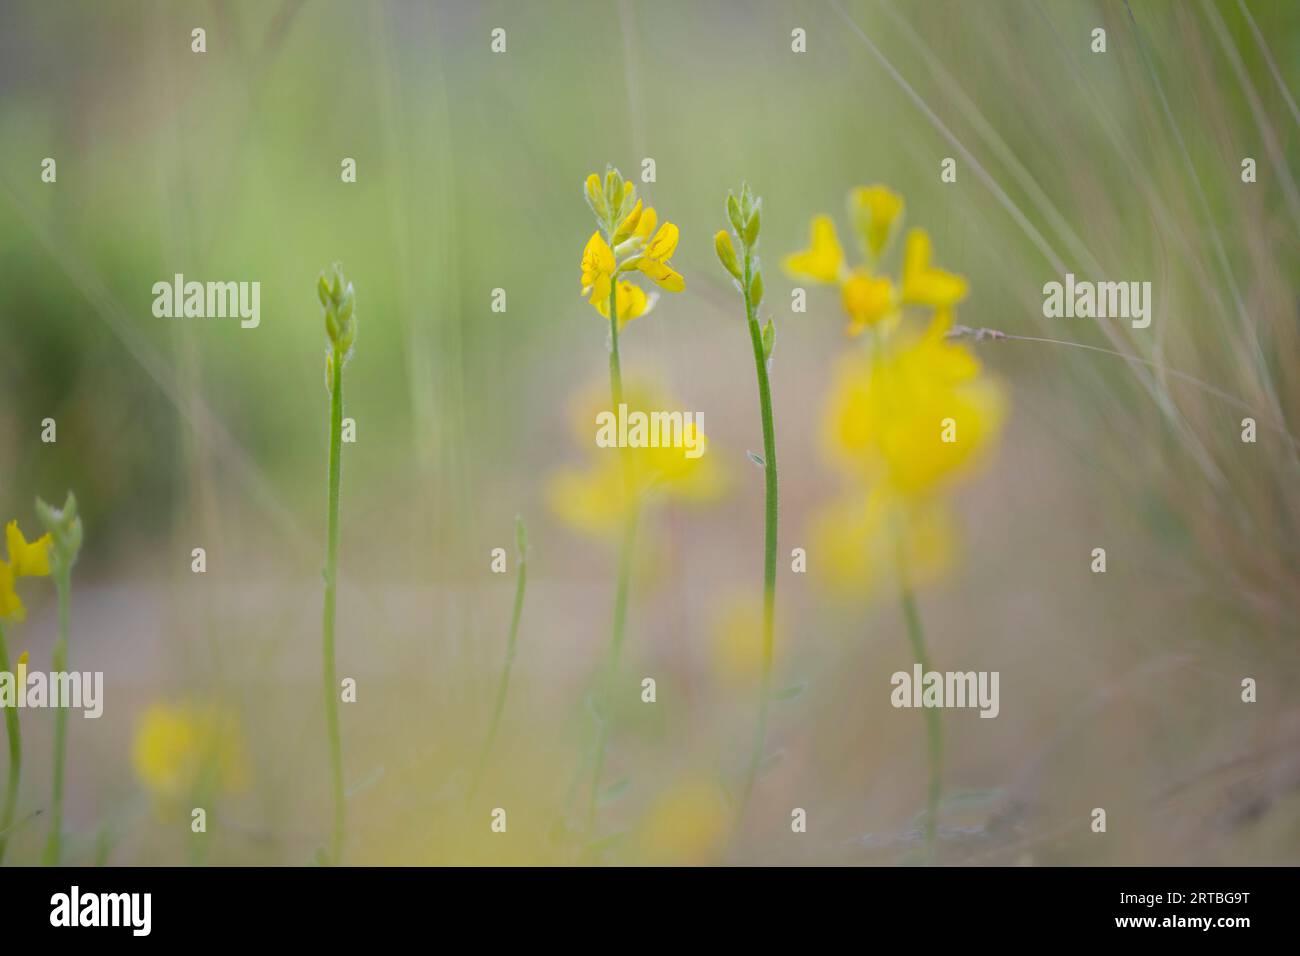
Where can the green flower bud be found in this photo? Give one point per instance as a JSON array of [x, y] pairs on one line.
[[733, 214], [64, 528], [756, 289], [751, 227]]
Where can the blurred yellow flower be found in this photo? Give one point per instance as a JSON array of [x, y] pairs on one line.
[[27, 560], [188, 749], [857, 539], [913, 413], [737, 645], [870, 298], [11, 607], [594, 498], [686, 826]]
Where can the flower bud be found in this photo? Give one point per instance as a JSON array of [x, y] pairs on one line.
[[596, 198], [733, 214], [755, 289], [727, 253], [751, 227]]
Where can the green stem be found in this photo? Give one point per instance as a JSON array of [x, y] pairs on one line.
[[54, 845], [502, 688], [624, 568], [769, 531], [14, 733], [331, 593], [933, 726]]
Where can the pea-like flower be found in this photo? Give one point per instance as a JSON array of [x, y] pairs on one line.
[[626, 241], [26, 559], [868, 296]]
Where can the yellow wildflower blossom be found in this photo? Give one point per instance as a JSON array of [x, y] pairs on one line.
[[874, 210], [11, 606], [737, 646], [869, 297], [857, 538], [914, 413], [182, 750], [686, 826], [594, 497], [27, 560], [630, 239]]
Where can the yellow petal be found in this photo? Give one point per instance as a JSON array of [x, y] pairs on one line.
[[11, 608], [597, 261], [628, 226], [923, 285], [646, 227], [874, 210], [823, 259], [27, 560], [663, 275], [664, 244], [867, 299]]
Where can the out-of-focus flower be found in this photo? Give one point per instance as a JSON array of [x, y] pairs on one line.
[[11, 606], [870, 298], [857, 539], [594, 498], [737, 645], [188, 749], [913, 413], [627, 241], [687, 825], [26, 559]]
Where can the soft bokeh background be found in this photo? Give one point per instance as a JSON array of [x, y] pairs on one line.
[[1119, 691]]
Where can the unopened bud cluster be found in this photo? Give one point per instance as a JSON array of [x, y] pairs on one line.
[[339, 299], [745, 215]]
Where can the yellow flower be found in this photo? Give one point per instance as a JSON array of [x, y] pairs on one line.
[[632, 303], [626, 241], [823, 260], [913, 413], [857, 538], [597, 271], [874, 210], [923, 285], [654, 261], [737, 646], [27, 560], [871, 299], [868, 300], [188, 750], [11, 607], [594, 498], [686, 826]]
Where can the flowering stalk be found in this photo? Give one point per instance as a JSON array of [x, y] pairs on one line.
[[339, 300], [933, 724], [64, 528], [14, 733], [521, 581], [745, 216], [626, 242]]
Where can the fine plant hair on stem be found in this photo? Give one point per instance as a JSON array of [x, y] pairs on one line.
[[503, 687]]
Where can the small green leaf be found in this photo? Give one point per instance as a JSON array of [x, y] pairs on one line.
[[756, 459], [791, 692]]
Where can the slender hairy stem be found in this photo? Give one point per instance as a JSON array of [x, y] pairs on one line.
[[933, 726], [331, 594], [624, 568], [769, 530], [54, 845], [15, 758], [521, 583]]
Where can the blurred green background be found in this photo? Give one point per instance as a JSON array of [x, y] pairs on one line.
[[1119, 690]]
